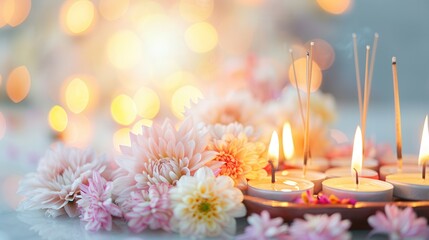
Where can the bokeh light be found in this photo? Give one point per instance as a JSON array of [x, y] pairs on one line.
[[177, 79], [113, 9], [195, 11], [251, 3], [58, 118], [18, 84], [77, 95], [300, 66], [123, 109], [137, 127], [14, 12], [77, 16], [335, 6], [201, 37], [121, 138], [147, 102], [182, 99], [323, 53], [79, 131], [2, 126], [124, 49]]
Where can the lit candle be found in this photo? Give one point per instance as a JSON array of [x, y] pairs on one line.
[[414, 186], [278, 188], [342, 166], [288, 149], [361, 189]]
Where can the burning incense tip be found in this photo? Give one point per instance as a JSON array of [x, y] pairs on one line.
[[308, 54], [367, 47], [376, 35], [393, 60], [312, 43], [354, 35], [290, 50]]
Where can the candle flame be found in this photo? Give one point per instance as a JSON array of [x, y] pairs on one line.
[[424, 145], [288, 147], [357, 152], [273, 149]]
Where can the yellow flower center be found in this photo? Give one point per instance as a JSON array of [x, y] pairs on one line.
[[204, 207], [232, 166]]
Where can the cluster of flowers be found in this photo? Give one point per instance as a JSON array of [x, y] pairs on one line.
[[308, 198], [395, 223]]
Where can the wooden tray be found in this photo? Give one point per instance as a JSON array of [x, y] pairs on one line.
[[357, 214]]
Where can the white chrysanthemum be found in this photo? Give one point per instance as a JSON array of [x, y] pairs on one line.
[[239, 107], [205, 205], [286, 108], [56, 184], [242, 155], [162, 154]]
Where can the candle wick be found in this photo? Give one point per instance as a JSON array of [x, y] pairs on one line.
[[424, 171], [357, 177], [273, 172]]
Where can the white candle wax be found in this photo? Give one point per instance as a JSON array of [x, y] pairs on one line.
[[409, 186], [284, 189], [368, 190], [314, 164], [392, 169], [346, 172], [315, 177], [368, 163]]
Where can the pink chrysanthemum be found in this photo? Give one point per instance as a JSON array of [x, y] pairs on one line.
[[320, 227], [162, 154], [262, 227], [149, 209], [399, 224], [56, 184], [235, 146], [96, 203]]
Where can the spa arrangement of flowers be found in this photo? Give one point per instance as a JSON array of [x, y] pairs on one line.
[[189, 179]]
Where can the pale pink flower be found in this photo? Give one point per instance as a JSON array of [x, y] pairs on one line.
[[399, 224], [56, 184], [149, 208], [162, 154], [238, 106], [96, 203], [262, 227], [205, 205], [243, 156], [320, 227]]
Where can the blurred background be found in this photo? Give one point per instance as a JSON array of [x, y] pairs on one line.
[[89, 72]]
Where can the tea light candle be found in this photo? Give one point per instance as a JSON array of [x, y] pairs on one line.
[[315, 177], [284, 189], [368, 190], [280, 189], [414, 186], [361, 189]]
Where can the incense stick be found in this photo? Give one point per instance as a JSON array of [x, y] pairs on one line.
[[310, 69], [297, 88], [371, 69], [357, 74], [307, 120], [365, 98], [397, 114]]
